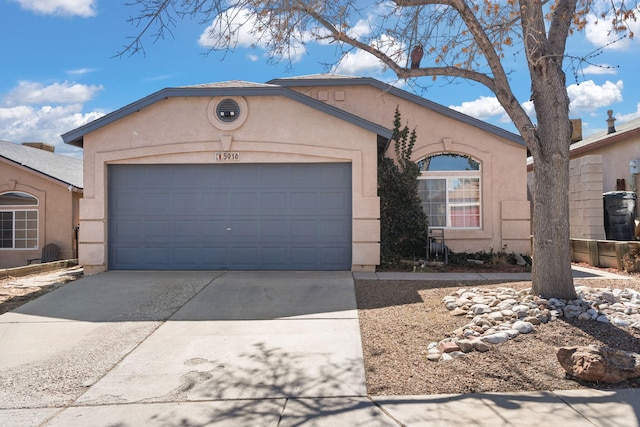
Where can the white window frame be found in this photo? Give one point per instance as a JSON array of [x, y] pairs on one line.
[[449, 176], [22, 208]]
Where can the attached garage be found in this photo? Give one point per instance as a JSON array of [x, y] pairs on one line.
[[230, 216], [230, 176]]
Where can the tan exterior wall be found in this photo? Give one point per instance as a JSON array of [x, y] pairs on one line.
[[57, 212], [615, 163], [276, 130], [505, 208], [591, 174]]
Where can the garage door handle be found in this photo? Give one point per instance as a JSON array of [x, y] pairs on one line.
[[228, 229]]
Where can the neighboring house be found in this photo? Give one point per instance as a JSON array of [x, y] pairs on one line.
[[39, 194], [598, 164], [249, 176]]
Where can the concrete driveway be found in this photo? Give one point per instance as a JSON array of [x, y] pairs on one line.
[[188, 348]]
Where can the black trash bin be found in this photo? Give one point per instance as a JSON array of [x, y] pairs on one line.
[[619, 214]]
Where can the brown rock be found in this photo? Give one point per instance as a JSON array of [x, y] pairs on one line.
[[602, 364], [447, 347], [458, 312]]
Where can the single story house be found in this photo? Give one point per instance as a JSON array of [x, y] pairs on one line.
[[39, 202], [604, 162], [283, 176]]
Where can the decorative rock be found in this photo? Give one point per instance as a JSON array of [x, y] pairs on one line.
[[433, 357], [497, 338], [465, 345], [512, 333], [480, 309], [533, 320], [572, 311], [492, 313], [600, 364], [523, 327], [620, 322], [447, 347], [446, 357], [480, 345], [496, 316]]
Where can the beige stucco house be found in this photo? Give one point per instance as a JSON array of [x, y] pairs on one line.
[[600, 163], [283, 175], [39, 202]]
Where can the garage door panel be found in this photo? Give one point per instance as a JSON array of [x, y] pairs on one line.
[[333, 230], [272, 203], [240, 216], [214, 230]]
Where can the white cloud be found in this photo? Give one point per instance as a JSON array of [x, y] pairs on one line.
[[599, 69], [238, 27], [32, 93], [34, 112], [43, 124], [359, 62], [622, 118], [482, 108], [598, 31], [81, 71], [588, 96], [83, 8]]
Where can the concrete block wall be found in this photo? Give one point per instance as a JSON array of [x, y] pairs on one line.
[[586, 218]]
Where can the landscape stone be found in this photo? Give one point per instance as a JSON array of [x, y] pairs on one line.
[[523, 327], [494, 312], [599, 364], [497, 338], [447, 347], [480, 345], [433, 357]]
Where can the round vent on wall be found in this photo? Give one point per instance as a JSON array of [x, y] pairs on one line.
[[228, 113], [228, 110]]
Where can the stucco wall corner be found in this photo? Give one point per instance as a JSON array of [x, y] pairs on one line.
[[366, 254]]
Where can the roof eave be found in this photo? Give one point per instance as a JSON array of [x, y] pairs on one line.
[[405, 95], [76, 136], [44, 175]]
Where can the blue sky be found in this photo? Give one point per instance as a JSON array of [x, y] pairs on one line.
[[59, 70]]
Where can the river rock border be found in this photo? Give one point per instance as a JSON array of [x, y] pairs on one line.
[[500, 314]]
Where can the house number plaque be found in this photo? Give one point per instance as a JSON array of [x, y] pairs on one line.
[[228, 156]]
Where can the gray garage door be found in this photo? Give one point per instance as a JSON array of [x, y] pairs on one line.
[[230, 217]]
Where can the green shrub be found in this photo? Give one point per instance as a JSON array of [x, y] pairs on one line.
[[403, 223]]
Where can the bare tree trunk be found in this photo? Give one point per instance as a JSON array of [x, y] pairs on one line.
[[551, 274]]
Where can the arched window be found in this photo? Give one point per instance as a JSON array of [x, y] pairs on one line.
[[18, 221], [450, 191]]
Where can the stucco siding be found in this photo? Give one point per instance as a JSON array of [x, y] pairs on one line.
[[276, 130], [504, 177], [57, 212]]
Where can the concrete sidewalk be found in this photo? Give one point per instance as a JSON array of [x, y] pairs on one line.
[[233, 349]]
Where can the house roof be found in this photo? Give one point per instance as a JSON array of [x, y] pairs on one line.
[[623, 132], [67, 170], [602, 138], [341, 80], [230, 88]]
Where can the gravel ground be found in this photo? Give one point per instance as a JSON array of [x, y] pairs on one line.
[[398, 319]]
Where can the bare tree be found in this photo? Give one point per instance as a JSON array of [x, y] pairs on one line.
[[460, 39]]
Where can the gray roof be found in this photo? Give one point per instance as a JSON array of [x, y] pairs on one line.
[[602, 138], [232, 88], [341, 80], [67, 170]]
